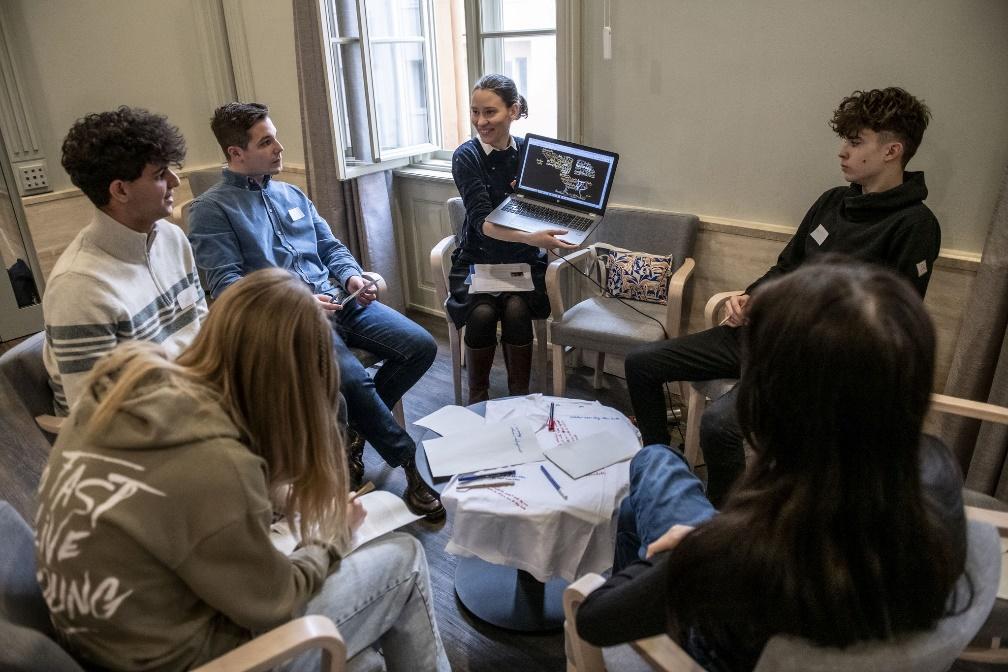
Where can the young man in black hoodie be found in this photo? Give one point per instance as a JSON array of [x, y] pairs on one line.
[[880, 218]]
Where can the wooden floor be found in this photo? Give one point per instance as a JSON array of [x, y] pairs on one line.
[[471, 644]]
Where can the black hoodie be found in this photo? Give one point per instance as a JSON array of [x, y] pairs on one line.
[[892, 228]]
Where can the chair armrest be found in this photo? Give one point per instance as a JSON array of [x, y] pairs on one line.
[[674, 297], [662, 653], [998, 519], [943, 403], [282, 644], [714, 305], [440, 264], [583, 656], [49, 423], [554, 288]]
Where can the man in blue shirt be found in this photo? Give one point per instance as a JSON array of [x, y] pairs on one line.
[[249, 221]]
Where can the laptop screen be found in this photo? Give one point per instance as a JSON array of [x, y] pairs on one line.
[[566, 174]]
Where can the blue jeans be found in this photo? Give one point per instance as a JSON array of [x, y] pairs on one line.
[[380, 596], [663, 492], [407, 351]]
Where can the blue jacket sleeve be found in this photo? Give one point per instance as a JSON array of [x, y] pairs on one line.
[[215, 246], [332, 252]]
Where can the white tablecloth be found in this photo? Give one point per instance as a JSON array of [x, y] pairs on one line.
[[528, 525]]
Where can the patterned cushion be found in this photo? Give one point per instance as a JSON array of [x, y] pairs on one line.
[[636, 275]]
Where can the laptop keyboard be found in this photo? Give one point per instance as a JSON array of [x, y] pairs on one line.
[[548, 215]]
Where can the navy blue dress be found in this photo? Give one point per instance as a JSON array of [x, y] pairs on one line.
[[484, 181]]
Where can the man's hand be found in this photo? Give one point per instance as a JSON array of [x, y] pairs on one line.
[[669, 540], [549, 238], [325, 301], [354, 283], [737, 311], [355, 514]]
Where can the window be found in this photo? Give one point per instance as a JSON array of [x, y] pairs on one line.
[[399, 72], [381, 81], [517, 38]]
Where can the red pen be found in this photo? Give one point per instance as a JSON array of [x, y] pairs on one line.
[[550, 424]]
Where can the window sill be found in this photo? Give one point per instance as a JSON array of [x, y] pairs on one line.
[[429, 171]]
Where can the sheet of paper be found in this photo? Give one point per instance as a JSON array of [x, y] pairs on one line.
[[385, 512], [492, 278], [496, 445], [589, 454], [452, 420]]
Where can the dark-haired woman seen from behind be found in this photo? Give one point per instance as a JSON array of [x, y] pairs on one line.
[[153, 528], [485, 168], [847, 526]]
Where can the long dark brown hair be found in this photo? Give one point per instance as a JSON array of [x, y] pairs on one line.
[[828, 535]]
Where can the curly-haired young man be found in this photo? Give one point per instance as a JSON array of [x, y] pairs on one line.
[[879, 218], [249, 221], [129, 274]]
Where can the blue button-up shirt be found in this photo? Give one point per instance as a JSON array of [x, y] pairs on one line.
[[237, 227]]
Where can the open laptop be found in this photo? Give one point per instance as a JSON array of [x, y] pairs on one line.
[[560, 185]]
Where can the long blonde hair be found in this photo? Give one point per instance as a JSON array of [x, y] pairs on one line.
[[265, 354]]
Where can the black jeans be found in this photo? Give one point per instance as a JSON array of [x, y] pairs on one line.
[[706, 355]]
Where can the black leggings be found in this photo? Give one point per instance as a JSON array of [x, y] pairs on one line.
[[513, 314]]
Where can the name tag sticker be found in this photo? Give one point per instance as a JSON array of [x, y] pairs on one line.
[[921, 268], [186, 297], [819, 235], [295, 214]]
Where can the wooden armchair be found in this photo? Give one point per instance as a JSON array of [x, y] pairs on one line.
[[602, 324]]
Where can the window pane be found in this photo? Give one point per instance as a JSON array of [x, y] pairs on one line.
[[531, 63], [400, 91], [497, 15], [343, 20], [394, 18]]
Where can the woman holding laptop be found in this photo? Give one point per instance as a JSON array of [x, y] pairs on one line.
[[485, 168]]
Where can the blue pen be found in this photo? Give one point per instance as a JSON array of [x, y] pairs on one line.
[[552, 482], [493, 474]]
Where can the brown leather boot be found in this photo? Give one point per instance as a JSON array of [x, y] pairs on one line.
[[355, 458], [518, 359], [479, 361], [419, 497]]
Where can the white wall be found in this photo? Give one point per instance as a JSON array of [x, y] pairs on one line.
[[83, 56], [94, 55], [720, 108]]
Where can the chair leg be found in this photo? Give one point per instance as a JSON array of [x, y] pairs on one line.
[[599, 370], [697, 403], [455, 345], [559, 376], [460, 333], [540, 355], [398, 414]]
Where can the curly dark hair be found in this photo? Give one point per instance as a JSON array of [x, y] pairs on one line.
[[117, 145], [231, 123], [890, 111]]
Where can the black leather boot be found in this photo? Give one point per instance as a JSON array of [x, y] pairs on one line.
[[355, 458], [479, 361], [419, 497], [518, 360]]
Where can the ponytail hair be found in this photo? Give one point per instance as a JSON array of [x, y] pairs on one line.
[[507, 90]]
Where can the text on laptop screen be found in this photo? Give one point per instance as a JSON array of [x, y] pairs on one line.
[[570, 175]]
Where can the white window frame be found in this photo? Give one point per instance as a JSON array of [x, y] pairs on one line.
[[380, 160], [568, 39]]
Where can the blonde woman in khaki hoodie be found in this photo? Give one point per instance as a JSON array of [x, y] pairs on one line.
[[152, 531]]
